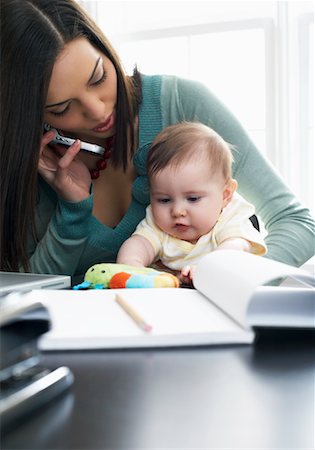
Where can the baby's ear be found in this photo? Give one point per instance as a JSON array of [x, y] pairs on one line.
[[229, 189]]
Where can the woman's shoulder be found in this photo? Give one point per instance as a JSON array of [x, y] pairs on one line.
[[186, 99], [168, 99], [172, 84]]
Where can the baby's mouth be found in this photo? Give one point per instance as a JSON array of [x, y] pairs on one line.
[[181, 227]]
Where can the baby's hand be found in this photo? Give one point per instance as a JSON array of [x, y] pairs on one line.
[[187, 274]]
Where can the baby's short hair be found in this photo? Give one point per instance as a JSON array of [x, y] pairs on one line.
[[190, 140]]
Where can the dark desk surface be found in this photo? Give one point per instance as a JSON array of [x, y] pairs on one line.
[[242, 397]]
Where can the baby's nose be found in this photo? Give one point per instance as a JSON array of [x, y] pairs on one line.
[[179, 210]]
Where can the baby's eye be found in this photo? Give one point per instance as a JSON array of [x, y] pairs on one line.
[[163, 200], [193, 198]]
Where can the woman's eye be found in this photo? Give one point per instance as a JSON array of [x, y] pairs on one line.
[[61, 113], [100, 80]]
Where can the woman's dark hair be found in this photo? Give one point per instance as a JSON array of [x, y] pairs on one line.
[[33, 32]]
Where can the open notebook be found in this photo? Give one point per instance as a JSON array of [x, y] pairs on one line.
[[229, 301]]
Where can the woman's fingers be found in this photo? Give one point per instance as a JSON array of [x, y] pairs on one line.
[[47, 137], [69, 155], [48, 160], [66, 174]]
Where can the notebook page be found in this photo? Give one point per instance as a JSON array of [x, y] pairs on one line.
[[93, 319], [230, 278]]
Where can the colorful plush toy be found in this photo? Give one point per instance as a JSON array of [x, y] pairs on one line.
[[114, 276]]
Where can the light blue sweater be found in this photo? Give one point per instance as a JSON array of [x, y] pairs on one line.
[[71, 239]]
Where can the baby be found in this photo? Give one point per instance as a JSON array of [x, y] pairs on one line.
[[194, 208]]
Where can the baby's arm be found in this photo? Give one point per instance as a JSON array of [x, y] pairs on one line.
[[136, 251], [235, 244]]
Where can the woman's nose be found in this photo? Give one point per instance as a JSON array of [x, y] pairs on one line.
[[93, 108]]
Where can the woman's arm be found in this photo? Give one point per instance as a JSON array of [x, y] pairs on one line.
[[63, 229], [290, 226], [63, 212]]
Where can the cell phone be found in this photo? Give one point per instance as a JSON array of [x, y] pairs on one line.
[[67, 141]]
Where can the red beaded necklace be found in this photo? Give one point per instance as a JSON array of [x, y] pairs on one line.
[[102, 163]]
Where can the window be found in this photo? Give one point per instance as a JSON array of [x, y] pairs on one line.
[[255, 56]]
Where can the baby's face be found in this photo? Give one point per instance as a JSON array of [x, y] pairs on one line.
[[187, 200]]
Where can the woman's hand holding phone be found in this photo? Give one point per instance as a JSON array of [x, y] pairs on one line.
[[68, 176]]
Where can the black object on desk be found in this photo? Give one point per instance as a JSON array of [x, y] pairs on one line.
[[25, 383]]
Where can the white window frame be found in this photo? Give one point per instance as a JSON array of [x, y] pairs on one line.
[[265, 24]]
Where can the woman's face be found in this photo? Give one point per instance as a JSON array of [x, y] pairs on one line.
[[82, 93]]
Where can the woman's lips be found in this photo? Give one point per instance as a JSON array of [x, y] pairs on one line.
[[105, 126]]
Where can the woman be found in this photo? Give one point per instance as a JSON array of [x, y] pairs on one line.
[[58, 68]]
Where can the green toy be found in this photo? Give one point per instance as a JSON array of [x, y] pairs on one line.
[[114, 276]]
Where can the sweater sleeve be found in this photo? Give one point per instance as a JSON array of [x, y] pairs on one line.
[[62, 232], [289, 224]]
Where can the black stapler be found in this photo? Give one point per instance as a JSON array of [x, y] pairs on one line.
[[25, 384]]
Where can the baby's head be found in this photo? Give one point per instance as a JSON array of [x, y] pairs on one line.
[[187, 142], [189, 170]]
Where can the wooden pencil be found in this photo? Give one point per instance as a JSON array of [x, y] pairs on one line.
[[134, 315]]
